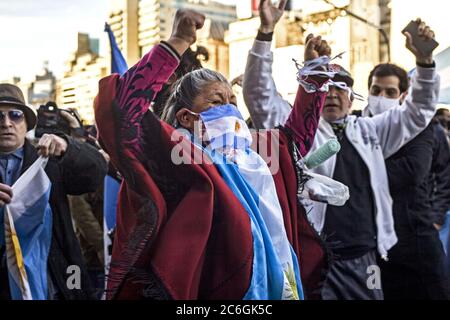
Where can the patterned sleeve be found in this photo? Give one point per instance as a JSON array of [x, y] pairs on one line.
[[138, 87], [304, 118]]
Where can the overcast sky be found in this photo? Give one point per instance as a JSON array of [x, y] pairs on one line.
[[34, 31]]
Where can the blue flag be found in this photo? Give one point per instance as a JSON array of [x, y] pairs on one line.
[[118, 62], [118, 65]]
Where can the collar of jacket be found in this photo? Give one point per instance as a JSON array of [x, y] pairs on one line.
[[29, 156]]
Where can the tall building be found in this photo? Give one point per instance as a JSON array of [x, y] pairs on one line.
[[146, 22], [79, 85], [124, 22], [149, 25], [43, 88], [359, 41], [214, 11]]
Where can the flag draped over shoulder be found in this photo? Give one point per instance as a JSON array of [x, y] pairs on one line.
[[28, 231], [276, 273], [175, 249]]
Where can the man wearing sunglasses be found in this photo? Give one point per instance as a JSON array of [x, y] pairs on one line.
[[73, 168]]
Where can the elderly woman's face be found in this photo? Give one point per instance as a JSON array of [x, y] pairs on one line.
[[213, 95]]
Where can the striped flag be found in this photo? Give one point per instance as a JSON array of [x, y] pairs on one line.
[[28, 232], [276, 273]]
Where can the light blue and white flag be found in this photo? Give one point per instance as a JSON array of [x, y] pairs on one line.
[[225, 128], [28, 233], [276, 273]]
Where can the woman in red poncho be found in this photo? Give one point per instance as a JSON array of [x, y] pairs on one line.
[[182, 232]]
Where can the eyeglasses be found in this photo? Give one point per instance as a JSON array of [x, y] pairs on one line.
[[13, 115]]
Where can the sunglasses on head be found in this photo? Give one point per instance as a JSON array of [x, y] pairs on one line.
[[13, 115]]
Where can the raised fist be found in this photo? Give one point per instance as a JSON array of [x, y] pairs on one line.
[[316, 47], [184, 31]]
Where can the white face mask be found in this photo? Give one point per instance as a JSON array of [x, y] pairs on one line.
[[378, 105], [225, 128]]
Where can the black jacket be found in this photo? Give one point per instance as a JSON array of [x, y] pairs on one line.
[[408, 172], [439, 179], [81, 170], [415, 269]]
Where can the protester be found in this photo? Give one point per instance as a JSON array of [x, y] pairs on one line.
[[443, 116], [179, 223], [416, 266], [87, 212], [73, 168], [439, 179], [364, 226]]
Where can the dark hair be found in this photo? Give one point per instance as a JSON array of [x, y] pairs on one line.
[[190, 61], [441, 111], [186, 90], [388, 69]]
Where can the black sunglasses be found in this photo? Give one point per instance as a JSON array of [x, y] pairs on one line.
[[13, 115]]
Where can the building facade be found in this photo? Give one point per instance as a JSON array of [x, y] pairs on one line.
[[79, 85], [147, 22], [43, 88], [359, 41], [124, 22]]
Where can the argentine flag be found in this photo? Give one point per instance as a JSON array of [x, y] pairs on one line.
[[225, 129], [28, 231], [276, 273]]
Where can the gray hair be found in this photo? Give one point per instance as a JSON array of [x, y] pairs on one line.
[[186, 90]]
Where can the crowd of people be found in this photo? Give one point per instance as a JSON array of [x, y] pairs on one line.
[[213, 206]]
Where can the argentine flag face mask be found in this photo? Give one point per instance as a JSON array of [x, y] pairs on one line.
[[224, 128]]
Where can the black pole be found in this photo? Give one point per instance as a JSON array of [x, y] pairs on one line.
[[357, 17]]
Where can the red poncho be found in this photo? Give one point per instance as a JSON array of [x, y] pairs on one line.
[[181, 233]]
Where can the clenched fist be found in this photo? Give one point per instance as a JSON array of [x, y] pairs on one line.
[[51, 146], [185, 26], [316, 47]]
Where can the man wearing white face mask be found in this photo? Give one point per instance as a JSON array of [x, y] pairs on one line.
[[416, 268], [364, 228]]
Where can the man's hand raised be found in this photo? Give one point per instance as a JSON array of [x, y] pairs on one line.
[[426, 34], [270, 14], [316, 47], [184, 32]]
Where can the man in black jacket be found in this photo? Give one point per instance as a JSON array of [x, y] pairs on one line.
[[416, 266], [439, 179], [73, 168]]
